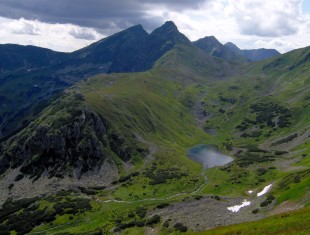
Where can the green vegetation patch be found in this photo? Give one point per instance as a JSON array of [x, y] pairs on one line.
[[24, 215], [160, 176]]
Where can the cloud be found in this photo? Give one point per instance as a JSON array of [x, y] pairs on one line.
[[103, 15], [59, 37], [267, 18], [251, 24], [83, 33], [24, 27]]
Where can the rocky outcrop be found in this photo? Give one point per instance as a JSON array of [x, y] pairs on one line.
[[76, 142], [69, 141]]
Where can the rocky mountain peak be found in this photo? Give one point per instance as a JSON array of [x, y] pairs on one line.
[[169, 32]]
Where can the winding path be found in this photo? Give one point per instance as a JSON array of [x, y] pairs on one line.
[[159, 198], [152, 150], [128, 202]]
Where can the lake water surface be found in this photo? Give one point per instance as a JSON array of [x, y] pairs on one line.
[[208, 156]]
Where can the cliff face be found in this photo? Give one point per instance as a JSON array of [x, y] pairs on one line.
[[64, 139]]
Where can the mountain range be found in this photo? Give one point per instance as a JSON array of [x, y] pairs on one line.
[[40, 73], [95, 141], [231, 52]]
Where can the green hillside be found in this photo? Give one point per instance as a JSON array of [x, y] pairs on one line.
[[288, 223], [141, 126]]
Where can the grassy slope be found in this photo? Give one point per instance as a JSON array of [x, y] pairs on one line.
[[149, 103], [296, 222]]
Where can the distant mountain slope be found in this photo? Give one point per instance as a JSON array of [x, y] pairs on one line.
[[132, 50], [121, 52], [42, 73], [254, 54], [29, 57], [296, 60], [213, 47]]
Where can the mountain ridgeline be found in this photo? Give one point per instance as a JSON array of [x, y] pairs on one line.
[[230, 51], [254, 54], [30, 76], [110, 124], [213, 47], [131, 50]]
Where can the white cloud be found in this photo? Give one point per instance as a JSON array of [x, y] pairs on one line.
[[278, 24], [267, 18], [59, 37], [23, 27], [83, 33]]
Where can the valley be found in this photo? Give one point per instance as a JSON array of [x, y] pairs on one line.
[[109, 153]]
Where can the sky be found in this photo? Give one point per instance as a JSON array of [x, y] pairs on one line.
[[68, 25]]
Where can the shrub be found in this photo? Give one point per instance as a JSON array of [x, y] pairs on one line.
[[160, 176], [162, 205], [166, 224], [131, 215], [255, 211], [261, 171], [98, 187], [4, 232], [141, 211], [198, 197], [87, 191], [97, 232], [154, 220], [268, 200], [296, 179], [140, 223], [280, 152], [180, 227], [285, 140], [19, 177]]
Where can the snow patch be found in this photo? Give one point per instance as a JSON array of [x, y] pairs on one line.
[[236, 208], [250, 191], [265, 190]]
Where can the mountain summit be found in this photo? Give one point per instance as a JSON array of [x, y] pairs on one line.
[[253, 54], [131, 50], [213, 47], [169, 32]]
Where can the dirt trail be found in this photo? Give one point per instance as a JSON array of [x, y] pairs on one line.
[[159, 198], [285, 207]]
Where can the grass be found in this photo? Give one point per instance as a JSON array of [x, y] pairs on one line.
[[296, 222], [238, 180], [296, 189]]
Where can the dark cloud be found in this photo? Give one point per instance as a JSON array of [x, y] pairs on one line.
[[104, 15], [177, 5]]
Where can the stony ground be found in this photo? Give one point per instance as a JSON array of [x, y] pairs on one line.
[[209, 212], [26, 189]]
